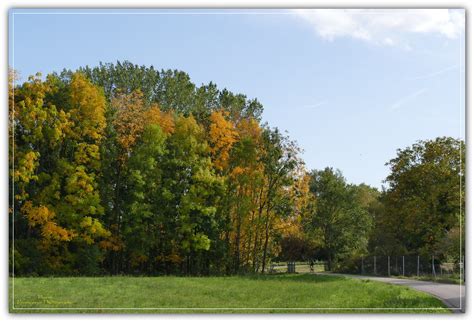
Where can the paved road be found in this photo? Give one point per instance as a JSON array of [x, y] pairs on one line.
[[453, 295]]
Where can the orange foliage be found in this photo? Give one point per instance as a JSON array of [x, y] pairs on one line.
[[130, 120], [111, 243], [164, 119], [222, 136], [43, 217], [249, 128], [173, 258]]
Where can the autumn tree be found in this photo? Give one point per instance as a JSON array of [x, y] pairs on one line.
[[222, 136], [113, 172], [58, 161], [239, 205], [280, 159]]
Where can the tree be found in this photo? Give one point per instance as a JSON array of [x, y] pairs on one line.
[[339, 219], [143, 219], [122, 168], [295, 243], [190, 191], [172, 90], [129, 120], [424, 201], [222, 135], [244, 179], [58, 127], [280, 159]]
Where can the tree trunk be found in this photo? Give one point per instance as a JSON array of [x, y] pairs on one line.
[[237, 253], [227, 252], [237, 245], [117, 256], [330, 261], [265, 245]]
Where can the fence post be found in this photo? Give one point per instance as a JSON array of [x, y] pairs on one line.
[[432, 265], [403, 265], [388, 266], [375, 265], [418, 265], [362, 266], [463, 268]]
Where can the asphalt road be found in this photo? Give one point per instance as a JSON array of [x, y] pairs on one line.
[[453, 295]]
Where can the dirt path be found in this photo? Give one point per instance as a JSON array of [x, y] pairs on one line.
[[453, 295]]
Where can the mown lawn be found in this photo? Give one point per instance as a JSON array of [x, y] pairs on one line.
[[296, 293]]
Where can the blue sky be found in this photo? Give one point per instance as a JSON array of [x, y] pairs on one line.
[[351, 87]]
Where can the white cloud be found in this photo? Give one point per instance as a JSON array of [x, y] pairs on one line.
[[383, 26], [388, 41]]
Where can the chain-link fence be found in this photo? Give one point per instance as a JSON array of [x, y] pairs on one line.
[[407, 265], [424, 267]]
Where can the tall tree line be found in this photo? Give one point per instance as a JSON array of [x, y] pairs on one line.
[[127, 169]]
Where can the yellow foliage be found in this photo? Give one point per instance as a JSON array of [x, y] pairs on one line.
[[88, 108], [37, 215], [164, 119], [222, 135], [93, 229], [79, 184], [87, 154], [25, 166], [43, 217]]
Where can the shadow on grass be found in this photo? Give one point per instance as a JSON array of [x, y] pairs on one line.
[[284, 277]]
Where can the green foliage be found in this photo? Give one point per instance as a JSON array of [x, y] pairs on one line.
[[170, 89], [57, 141], [341, 219], [122, 168], [424, 204]]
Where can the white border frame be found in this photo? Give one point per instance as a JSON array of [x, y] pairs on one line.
[[275, 4]]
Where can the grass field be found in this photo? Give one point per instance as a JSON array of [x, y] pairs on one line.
[[447, 279], [285, 293]]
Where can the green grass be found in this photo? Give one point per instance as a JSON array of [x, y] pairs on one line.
[[285, 293], [446, 279]]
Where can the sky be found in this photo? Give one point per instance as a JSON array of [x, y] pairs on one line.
[[350, 86]]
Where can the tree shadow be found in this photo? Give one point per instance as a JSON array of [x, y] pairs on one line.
[[284, 277]]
